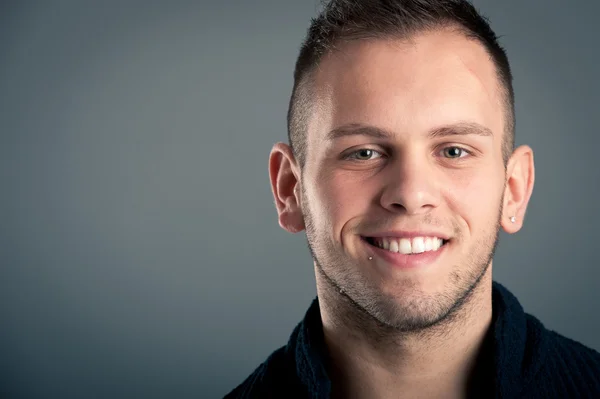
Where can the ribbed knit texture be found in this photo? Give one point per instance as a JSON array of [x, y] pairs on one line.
[[571, 370], [529, 360]]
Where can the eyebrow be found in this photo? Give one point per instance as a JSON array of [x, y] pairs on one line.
[[461, 129], [455, 129]]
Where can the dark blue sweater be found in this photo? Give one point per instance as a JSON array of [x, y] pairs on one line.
[[525, 360]]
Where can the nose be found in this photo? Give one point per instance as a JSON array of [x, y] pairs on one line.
[[411, 186]]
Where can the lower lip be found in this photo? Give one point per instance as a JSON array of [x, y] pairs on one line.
[[405, 262]]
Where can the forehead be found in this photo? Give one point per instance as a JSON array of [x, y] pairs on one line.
[[432, 79]]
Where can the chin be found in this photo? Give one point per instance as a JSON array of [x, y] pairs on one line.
[[408, 314]]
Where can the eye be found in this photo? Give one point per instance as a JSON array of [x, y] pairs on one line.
[[454, 152], [364, 154]]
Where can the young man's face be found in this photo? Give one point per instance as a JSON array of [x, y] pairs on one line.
[[404, 154]]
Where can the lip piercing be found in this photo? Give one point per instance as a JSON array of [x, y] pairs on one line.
[[370, 258]]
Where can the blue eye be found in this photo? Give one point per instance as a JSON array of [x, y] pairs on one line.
[[364, 154]]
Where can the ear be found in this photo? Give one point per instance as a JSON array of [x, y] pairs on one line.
[[285, 184], [520, 176]]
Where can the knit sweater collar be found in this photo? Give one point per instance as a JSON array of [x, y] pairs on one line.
[[518, 347]]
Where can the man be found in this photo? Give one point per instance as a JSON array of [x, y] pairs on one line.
[[402, 169]]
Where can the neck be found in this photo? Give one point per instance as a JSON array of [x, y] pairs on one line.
[[372, 361]]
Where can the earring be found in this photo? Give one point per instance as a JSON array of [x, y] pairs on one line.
[[513, 219]]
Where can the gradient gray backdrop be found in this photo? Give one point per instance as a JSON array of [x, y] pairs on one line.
[[140, 254]]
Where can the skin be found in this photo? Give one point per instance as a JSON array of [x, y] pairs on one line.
[[419, 332]]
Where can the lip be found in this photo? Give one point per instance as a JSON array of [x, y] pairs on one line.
[[408, 234], [402, 261]]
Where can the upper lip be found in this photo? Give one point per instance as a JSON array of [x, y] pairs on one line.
[[408, 234]]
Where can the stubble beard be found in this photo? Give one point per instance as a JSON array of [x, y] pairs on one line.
[[363, 305]]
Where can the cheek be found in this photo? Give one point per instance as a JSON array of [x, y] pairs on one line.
[[476, 197], [340, 198]]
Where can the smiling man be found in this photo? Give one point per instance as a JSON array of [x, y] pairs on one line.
[[402, 170]]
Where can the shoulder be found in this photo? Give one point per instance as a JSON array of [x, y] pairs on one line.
[[568, 368], [568, 353], [284, 373], [274, 378]]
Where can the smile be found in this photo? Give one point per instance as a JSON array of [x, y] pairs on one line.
[[407, 246]]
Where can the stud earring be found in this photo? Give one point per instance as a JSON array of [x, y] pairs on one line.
[[513, 219]]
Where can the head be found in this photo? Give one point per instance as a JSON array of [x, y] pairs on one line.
[[401, 128]]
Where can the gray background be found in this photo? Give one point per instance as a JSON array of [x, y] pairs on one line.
[[139, 248]]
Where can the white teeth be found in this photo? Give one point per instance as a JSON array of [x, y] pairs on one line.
[[429, 243], [405, 247], [418, 245]]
